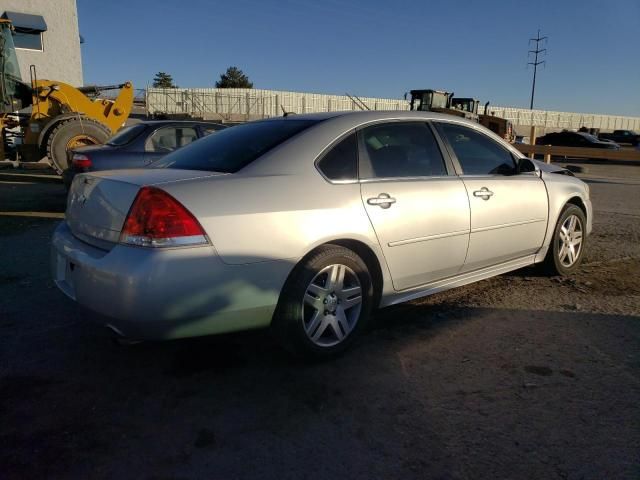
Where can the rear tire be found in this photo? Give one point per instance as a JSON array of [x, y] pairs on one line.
[[325, 303], [568, 242], [74, 133]]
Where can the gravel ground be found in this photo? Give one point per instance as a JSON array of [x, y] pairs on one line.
[[519, 376]]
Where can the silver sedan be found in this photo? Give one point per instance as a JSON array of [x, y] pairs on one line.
[[308, 223]]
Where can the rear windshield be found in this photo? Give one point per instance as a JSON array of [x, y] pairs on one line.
[[126, 135], [233, 148]]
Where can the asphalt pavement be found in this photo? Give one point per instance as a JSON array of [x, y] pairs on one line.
[[519, 376]]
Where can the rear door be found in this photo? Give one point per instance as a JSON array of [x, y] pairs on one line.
[[509, 211], [417, 206]]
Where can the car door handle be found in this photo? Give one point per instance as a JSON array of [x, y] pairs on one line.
[[383, 200], [483, 193]]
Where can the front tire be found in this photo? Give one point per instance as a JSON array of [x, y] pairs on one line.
[[325, 304], [567, 246]]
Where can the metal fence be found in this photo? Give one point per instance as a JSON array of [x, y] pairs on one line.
[[255, 103], [240, 103], [561, 120]]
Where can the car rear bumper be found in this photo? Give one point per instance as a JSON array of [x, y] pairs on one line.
[[153, 294], [67, 177]]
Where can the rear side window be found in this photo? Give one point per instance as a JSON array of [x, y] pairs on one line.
[[169, 138], [341, 162], [398, 149], [232, 149], [477, 153], [162, 140]]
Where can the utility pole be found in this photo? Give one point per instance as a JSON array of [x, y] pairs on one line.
[[535, 62]]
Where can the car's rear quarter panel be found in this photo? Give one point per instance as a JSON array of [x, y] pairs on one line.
[[166, 293], [257, 219]]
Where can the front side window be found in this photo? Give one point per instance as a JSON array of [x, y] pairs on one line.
[[341, 162], [398, 149], [477, 153]]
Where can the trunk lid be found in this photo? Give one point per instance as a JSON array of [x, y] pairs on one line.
[[98, 203]]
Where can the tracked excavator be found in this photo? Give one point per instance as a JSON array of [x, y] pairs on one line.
[[47, 118]]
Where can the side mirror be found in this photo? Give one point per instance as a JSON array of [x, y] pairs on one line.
[[525, 165]]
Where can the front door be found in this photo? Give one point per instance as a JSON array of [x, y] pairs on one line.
[[418, 208], [509, 211]]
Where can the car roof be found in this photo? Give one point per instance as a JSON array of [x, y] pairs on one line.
[[327, 127], [175, 122], [373, 115]]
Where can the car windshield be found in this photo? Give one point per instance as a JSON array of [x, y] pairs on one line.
[[234, 148], [126, 135]]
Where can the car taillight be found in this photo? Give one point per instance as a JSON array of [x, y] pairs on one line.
[[81, 161], [156, 219]]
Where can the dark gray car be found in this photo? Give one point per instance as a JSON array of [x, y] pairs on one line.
[[137, 145]]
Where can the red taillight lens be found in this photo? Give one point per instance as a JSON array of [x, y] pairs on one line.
[[81, 161], [156, 219]]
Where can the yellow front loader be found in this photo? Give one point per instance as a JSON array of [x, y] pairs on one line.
[[62, 117]]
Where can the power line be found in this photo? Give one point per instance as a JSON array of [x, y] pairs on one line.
[[535, 62]]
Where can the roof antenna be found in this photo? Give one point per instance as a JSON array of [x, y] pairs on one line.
[[285, 113]]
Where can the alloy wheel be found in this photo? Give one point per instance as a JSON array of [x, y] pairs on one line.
[[332, 304], [570, 240]]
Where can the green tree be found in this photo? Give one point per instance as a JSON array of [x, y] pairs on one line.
[[163, 80], [234, 78]]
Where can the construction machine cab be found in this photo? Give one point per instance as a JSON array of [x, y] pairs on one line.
[[465, 104], [14, 93], [440, 101], [430, 100]]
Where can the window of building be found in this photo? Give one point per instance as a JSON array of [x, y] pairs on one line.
[[27, 29], [29, 41]]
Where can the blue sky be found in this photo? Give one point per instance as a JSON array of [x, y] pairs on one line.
[[376, 48]]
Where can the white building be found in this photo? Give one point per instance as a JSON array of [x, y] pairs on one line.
[[47, 36]]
